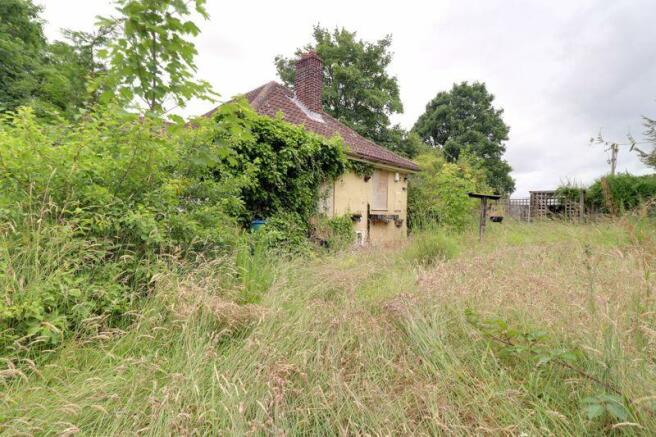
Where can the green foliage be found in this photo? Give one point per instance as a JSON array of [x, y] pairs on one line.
[[335, 233], [341, 232], [622, 192], [606, 407], [64, 80], [49, 77], [358, 90], [255, 262], [22, 44], [430, 246], [521, 343], [72, 75], [91, 207], [438, 194], [286, 163], [524, 346], [152, 58], [88, 209], [569, 192], [649, 157], [360, 168], [402, 142], [465, 120], [284, 233]]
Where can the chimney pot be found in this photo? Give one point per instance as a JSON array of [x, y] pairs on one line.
[[309, 80]]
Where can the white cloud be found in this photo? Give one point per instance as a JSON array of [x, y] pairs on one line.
[[561, 70]]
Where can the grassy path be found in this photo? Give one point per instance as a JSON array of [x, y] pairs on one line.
[[394, 341]]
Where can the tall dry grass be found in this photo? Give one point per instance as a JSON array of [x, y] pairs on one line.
[[371, 342]]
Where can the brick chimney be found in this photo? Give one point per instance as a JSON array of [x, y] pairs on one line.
[[309, 80]]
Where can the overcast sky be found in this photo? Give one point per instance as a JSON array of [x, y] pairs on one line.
[[561, 70]]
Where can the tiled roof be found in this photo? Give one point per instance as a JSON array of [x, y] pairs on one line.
[[271, 98]]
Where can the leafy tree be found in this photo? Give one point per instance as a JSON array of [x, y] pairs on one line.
[[153, 58], [402, 142], [648, 157], [464, 119], [78, 59], [36, 73], [357, 90], [21, 49], [438, 194]]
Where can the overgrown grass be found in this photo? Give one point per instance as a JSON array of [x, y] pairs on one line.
[[431, 246], [524, 333]]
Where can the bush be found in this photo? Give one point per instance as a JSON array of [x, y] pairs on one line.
[[52, 280], [335, 233], [430, 246], [622, 192], [286, 164], [569, 192], [283, 233], [438, 194], [89, 209]]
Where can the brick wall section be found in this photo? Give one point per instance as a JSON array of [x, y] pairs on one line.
[[309, 80]]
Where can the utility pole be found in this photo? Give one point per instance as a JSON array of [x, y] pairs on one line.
[[614, 150]]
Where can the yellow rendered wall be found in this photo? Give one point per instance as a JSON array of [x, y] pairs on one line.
[[350, 194]]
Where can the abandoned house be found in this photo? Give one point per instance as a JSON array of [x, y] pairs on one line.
[[377, 203]]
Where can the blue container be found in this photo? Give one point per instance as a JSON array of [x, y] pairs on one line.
[[257, 224]]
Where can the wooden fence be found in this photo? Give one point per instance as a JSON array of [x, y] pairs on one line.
[[546, 205]]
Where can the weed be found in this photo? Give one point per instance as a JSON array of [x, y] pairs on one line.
[[431, 246], [360, 342]]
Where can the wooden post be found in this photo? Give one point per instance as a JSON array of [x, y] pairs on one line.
[[481, 226], [581, 205], [483, 198]]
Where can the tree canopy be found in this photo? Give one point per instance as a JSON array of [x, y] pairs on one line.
[[34, 72], [358, 90], [153, 57], [22, 46], [649, 157], [144, 52], [464, 119]]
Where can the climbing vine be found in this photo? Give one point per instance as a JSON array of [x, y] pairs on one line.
[[286, 164], [361, 168]]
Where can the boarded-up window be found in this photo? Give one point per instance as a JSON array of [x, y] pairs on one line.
[[379, 180]]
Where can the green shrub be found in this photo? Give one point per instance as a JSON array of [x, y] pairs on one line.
[[431, 246], [286, 164], [284, 233], [334, 233], [438, 194], [569, 192], [109, 195], [51, 281], [341, 233], [622, 192]]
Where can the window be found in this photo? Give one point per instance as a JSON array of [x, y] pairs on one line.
[[379, 180]]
